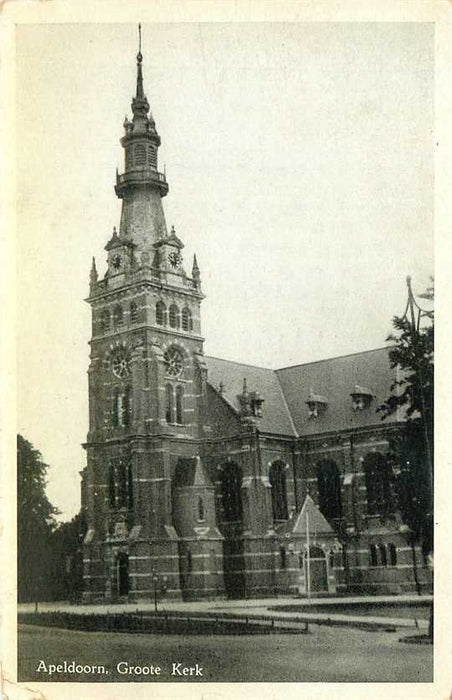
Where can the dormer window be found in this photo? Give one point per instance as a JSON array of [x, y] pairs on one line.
[[361, 398], [256, 404], [316, 404]]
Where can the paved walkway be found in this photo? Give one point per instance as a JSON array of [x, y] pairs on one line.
[[258, 608]]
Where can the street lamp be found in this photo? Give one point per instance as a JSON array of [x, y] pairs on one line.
[[156, 580]]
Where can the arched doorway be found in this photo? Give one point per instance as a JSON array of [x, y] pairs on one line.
[[122, 574], [318, 574]]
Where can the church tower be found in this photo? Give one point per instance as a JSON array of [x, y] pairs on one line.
[[147, 397]]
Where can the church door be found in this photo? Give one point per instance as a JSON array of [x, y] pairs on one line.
[[122, 564], [317, 569]]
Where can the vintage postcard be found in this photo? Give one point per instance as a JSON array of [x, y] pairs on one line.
[[219, 288]]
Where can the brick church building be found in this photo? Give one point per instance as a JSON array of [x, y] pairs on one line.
[[207, 477]]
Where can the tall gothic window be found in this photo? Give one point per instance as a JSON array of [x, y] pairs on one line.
[[120, 483], [201, 511], [127, 407], [111, 486], [373, 555], [160, 313], [180, 404], [231, 492], [277, 477], [174, 319], [118, 316], [383, 555], [187, 321], [378, 484], [105, 320], [392, 554], [329, 485], [169, 403], [122, 407], [133, 312]]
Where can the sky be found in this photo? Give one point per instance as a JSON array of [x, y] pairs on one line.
[[300, 164]]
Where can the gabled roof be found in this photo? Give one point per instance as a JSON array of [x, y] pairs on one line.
[[275, 414], [310, 515]]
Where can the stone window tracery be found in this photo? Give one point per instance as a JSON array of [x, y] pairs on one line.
[[160, 313], [187, 320], [174, 317]]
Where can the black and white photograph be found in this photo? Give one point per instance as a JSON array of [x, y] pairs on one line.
[[224, 332]]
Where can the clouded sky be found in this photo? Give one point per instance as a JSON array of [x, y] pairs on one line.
[[300, 165]]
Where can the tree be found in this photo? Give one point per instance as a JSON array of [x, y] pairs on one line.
[[412, 394], [35, 524], [67, 555]]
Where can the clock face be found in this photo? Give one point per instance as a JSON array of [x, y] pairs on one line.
[[117, 261], [174, 259], [174, 362], [120, 363]]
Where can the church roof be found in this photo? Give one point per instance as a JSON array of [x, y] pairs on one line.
[[336, 379], [275, 414], [285, 391]]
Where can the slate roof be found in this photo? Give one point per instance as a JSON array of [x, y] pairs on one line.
[[275, 414], [336, 379], [285, 391]]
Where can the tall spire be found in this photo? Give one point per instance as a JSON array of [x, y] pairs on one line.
[[140, 93], [140, 105]]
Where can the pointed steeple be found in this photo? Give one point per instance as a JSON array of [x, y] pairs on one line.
[[140, 105], [195, 273], [93, 276]]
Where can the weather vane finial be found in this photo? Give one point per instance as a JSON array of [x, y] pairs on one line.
[[139, 56]]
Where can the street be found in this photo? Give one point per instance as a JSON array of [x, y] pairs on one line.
[[327, 654]]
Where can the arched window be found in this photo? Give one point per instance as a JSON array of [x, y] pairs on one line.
[[174, 319], [160, 313], [277, 477], [130, 486], [189, 561], [331, 560], [392, 554], [111, 485], [378, 484], [373, 555], [122, 486], [133, 312], [329, 486], [383, 555], [140, 154], [201, 512], [105, 321], [169, 403], [127, 407], [187, 321], [152, 156], [117, 408], [231, 492], [283, 557], [118, 316], [179, 405]]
